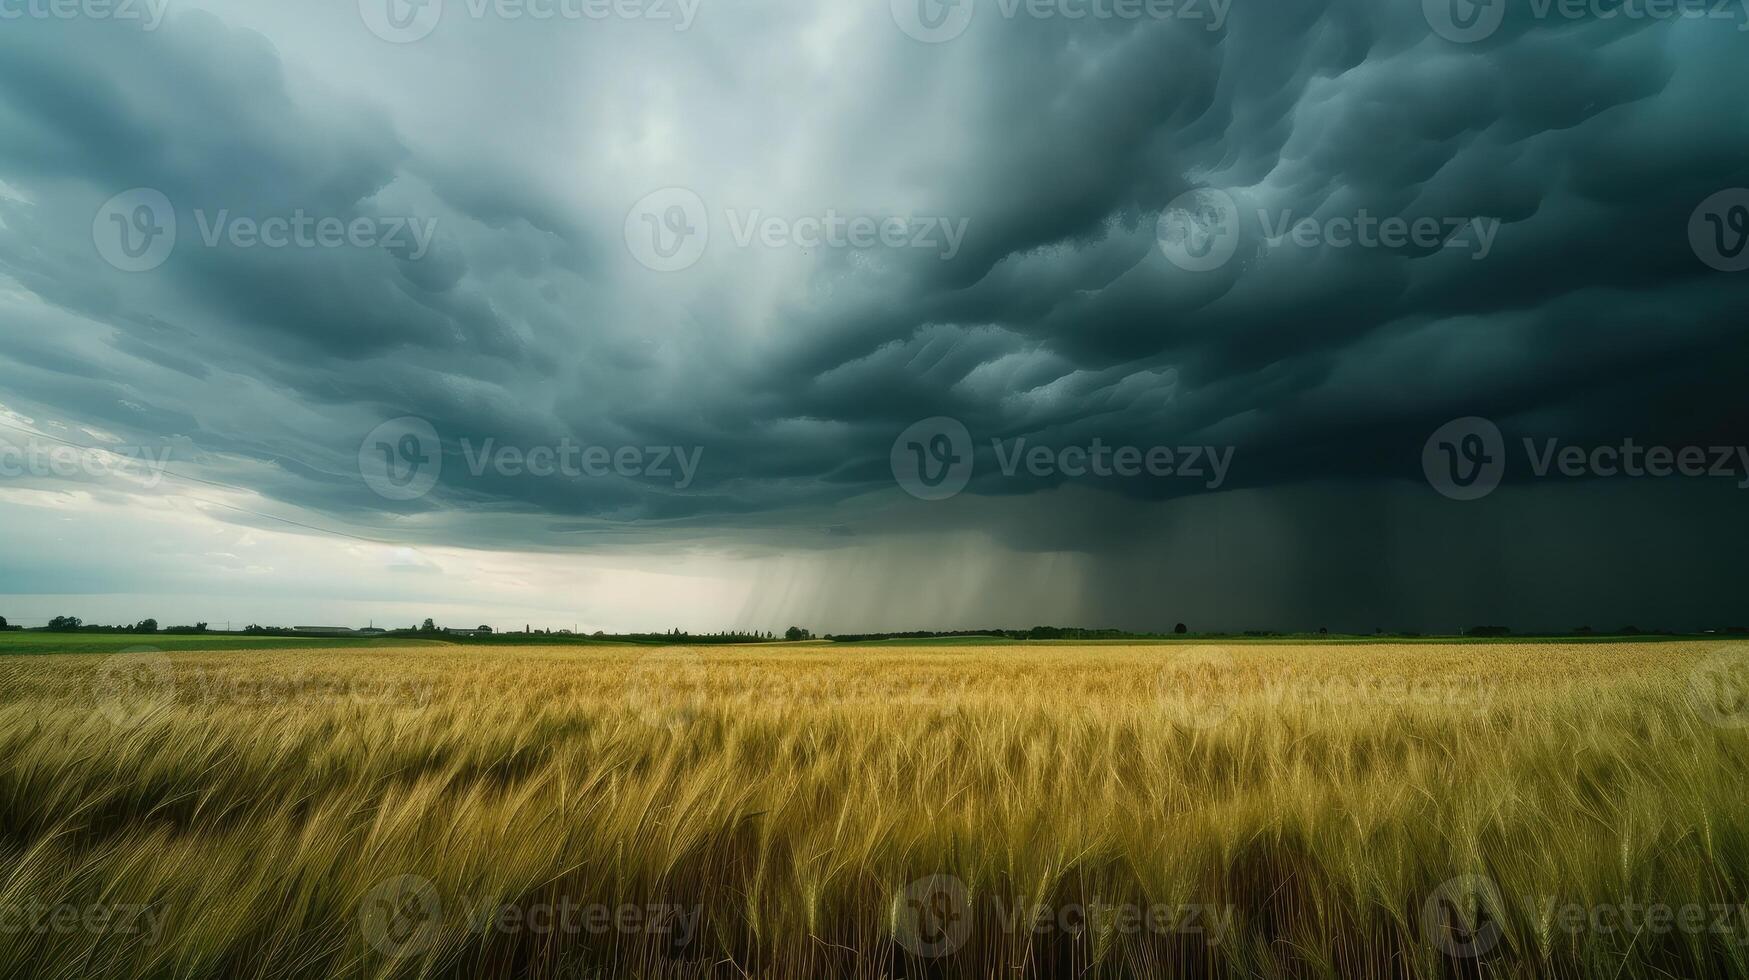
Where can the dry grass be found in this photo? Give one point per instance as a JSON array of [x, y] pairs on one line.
[[1269, 810]]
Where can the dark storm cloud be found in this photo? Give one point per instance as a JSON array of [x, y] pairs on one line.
[[1059, 143]]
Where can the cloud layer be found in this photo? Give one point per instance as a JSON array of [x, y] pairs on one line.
[[1559, 161]]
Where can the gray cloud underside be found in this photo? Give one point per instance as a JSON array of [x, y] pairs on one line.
[[1059, 320]]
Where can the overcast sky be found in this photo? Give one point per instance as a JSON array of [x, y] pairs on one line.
[[874, 315]]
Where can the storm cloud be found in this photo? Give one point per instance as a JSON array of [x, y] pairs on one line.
[[772, 237]]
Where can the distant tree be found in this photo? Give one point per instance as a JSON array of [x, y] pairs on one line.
[[1181, 628], [429, 626], [1323, 631], [3, 624], [200, 627], [65, 624], [796, 633], [146, 626], [483, 627]]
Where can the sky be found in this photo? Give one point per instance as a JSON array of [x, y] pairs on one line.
[[871, 315]]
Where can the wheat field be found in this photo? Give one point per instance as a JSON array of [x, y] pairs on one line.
[[1268, 810]]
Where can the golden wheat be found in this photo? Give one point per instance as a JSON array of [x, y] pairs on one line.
[[1247, 810]]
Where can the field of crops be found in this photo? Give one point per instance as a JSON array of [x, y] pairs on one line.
[[1277, 810]]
